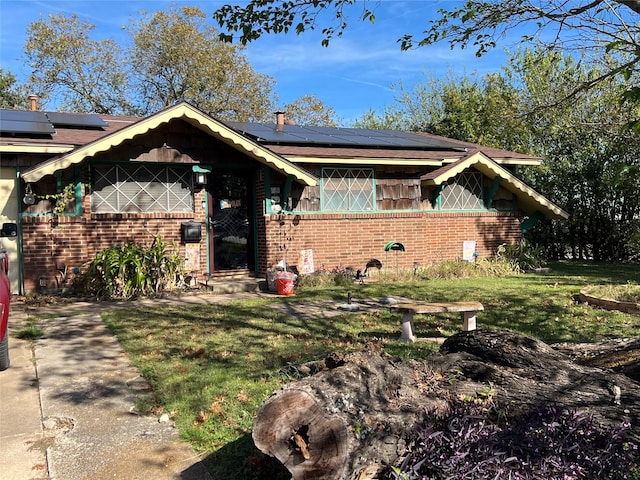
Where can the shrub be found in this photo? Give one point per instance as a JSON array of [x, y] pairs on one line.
[[484, 267], [128, 271], [474, 441], [522, 254]]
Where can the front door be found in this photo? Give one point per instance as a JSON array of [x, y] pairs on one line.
[[230, 214]]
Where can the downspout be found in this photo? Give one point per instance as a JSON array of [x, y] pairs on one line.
[[20, 233]]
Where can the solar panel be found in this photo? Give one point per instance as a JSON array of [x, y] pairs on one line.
[[85, 120], [353, 137], [25, 122]]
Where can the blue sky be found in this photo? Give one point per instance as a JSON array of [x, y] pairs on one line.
[[352, 75]]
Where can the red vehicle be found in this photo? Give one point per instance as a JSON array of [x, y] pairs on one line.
[[5, 300]]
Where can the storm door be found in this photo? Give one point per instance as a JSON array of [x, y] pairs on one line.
[[230, 214]]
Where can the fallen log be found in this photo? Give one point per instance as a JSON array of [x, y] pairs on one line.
[[356, 414]]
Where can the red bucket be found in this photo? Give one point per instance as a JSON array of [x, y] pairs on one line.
[[285, 280]]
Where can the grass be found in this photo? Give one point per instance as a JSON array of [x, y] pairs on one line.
[[620, 293], [211, 367], [32, 330]]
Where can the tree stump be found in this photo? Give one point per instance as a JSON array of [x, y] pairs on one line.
[[355, 415], [308, 442]]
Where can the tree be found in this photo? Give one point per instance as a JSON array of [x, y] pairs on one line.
[[309, 110], [474, 110], [84, 75], [259, 17], [599, 26], [174, 56], [354, 415], [12, 95], [177, 56], [391, 118], [590, 166], [477, 110]]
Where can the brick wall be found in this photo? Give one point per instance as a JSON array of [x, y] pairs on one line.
[[50, 243], [351, 240], [336, 240]]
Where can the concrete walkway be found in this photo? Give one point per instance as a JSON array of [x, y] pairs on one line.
[[67, 404]]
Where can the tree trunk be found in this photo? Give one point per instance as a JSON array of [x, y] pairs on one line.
[[355, 415]]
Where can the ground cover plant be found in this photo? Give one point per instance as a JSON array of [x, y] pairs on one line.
[[212, 366], [474, 440]]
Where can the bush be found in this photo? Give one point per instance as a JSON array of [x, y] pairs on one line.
[[475, 441], [483, 267], [122, 272], [522, 255]]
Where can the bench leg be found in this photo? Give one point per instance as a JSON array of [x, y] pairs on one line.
[[469, 322], [407, 328]]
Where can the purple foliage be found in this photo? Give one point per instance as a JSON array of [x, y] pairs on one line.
[[473, 441]]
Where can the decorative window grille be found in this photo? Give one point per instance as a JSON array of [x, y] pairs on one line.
[[463, 192], [348, 189], [142, 189]]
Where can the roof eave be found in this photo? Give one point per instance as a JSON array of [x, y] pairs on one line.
[[405, 162], [47, 149]]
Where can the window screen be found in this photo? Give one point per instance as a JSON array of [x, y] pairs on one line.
[[142, 189], [463, 192], [347, 189]]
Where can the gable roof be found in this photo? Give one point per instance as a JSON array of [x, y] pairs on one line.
[[283, 147], [354, 146], [529, 201], [183, 111]]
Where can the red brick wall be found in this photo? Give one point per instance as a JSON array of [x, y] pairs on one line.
[[50, 242], [351, 240], [336, 240]]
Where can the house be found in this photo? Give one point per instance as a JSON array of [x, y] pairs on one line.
[[238, 197]]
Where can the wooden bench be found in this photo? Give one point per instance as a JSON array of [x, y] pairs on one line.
[[408, 310]]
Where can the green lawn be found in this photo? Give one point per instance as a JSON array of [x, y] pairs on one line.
[[212, 366]]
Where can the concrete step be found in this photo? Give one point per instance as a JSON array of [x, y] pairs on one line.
[[228, 286]]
